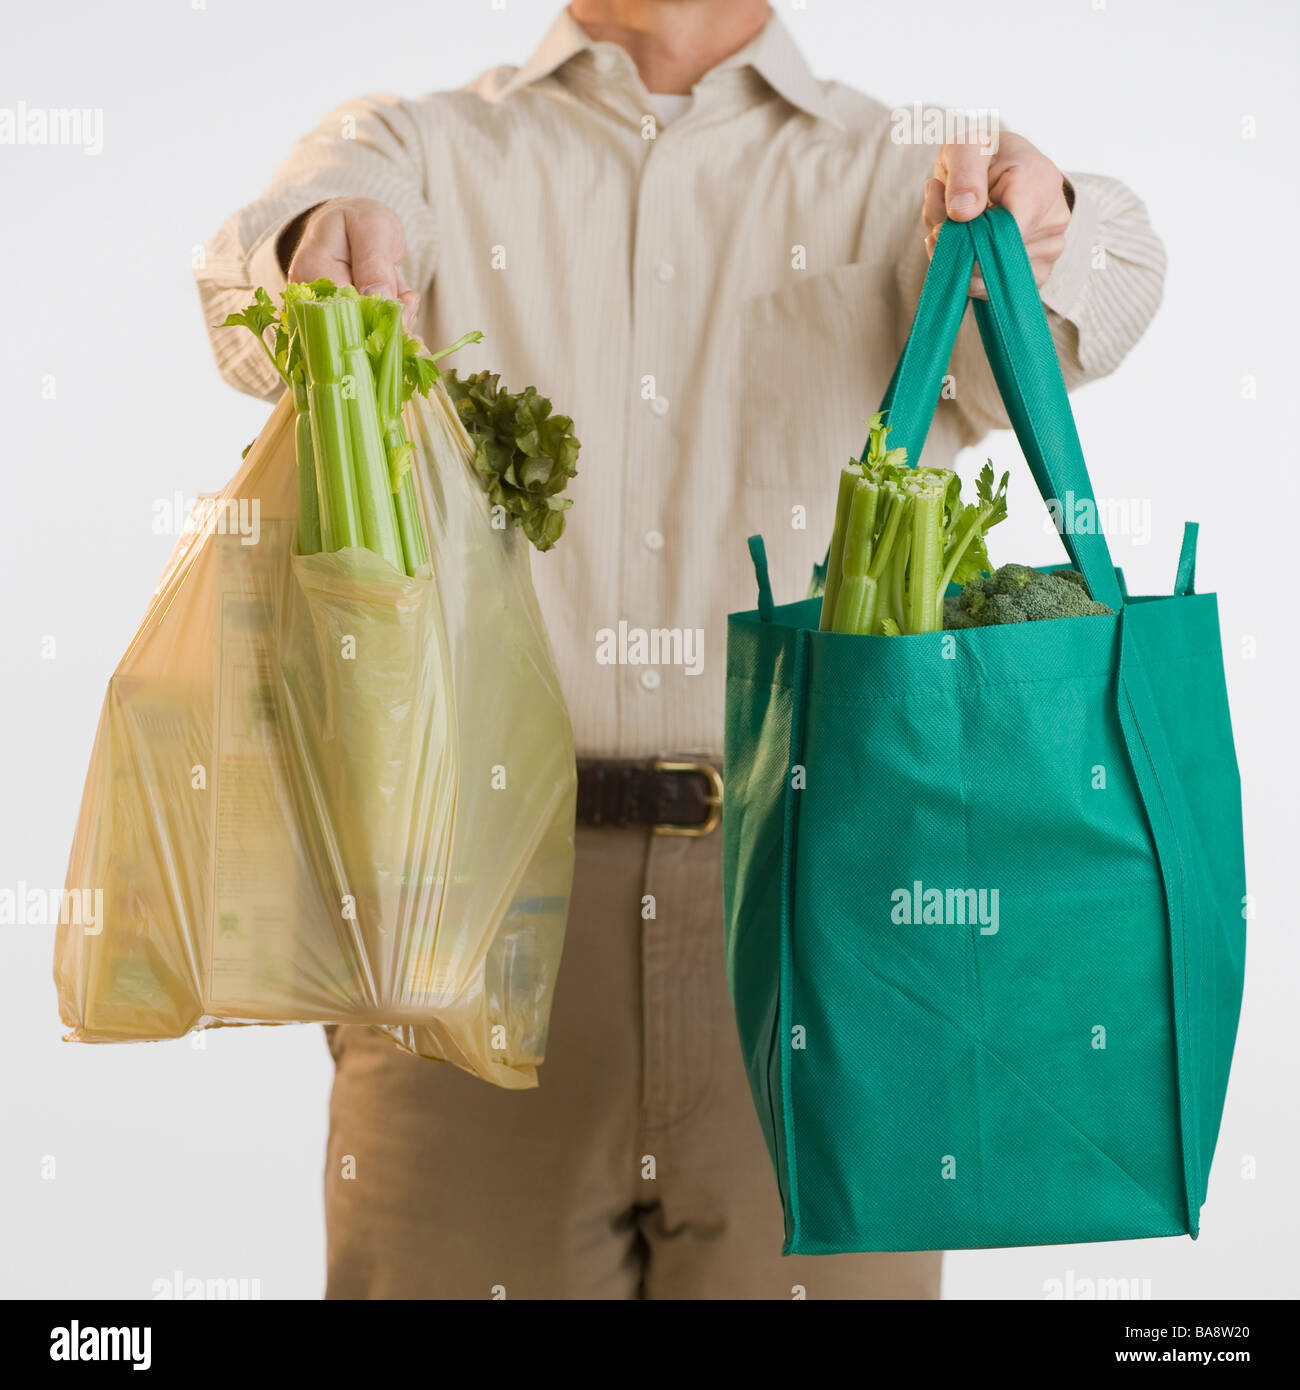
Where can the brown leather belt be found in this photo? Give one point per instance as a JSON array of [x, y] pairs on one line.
[[673, 798]]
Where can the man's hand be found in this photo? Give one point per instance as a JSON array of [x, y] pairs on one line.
[[355, 241], [1018, 177]]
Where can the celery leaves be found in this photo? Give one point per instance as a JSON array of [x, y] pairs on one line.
[[524, 454]]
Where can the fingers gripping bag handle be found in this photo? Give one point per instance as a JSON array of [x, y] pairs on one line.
[[1018, 343]]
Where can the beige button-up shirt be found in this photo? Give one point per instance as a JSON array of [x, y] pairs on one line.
[[718, 303]]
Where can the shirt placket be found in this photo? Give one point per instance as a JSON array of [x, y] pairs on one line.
[[649, 546]]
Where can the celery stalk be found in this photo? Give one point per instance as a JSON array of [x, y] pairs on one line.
[[331, 439], [894, 577], [309, 542], [388, 397], [415, 548], [328, 329], [322, 329], [855, 600], [925, 559], [835, 563], [374, 494]]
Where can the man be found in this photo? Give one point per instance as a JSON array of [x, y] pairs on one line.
[[709, 258]]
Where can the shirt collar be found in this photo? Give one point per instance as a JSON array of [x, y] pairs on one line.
[[775, 56], [565, 38], [772, 53]]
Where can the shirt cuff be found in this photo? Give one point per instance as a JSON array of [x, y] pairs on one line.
[[1067, 283]]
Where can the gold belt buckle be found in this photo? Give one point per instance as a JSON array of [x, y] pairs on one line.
[[713, 800]]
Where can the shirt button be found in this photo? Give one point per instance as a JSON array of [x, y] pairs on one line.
[[650, 678], [606, 62], [653, 540], [659, 404], [665, 272]]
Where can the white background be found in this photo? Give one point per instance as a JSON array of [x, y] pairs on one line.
[[209, 1160]]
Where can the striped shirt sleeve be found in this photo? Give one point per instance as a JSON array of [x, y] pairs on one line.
[[370, 148]]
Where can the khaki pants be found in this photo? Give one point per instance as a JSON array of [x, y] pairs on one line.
[[636, 1170]]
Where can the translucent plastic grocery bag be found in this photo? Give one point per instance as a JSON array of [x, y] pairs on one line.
[[324, 791]]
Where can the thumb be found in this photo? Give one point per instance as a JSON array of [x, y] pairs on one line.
[[376, 246], [964, 169]]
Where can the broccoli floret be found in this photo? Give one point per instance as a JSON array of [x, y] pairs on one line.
[[954, 616], [1019, 594]]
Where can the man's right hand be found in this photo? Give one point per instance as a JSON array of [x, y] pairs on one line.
[[355, 241]]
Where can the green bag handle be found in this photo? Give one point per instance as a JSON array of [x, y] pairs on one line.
[[758, 555], [1185, 580], [913, 390], [1018, 343]]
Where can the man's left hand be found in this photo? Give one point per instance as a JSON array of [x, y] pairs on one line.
[[1018, 177]]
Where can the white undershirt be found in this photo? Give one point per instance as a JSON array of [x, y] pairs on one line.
[[667, 105]]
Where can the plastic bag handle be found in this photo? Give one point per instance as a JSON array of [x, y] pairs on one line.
[[1020, 350]]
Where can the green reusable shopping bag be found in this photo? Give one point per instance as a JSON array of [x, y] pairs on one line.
[[984, 889]]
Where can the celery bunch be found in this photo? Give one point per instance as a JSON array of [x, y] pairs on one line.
[[901, 537], [351, 368]]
